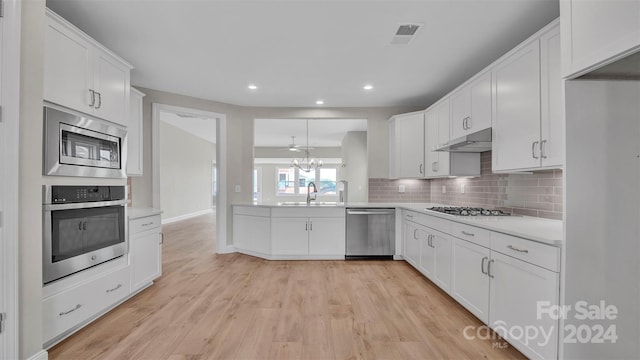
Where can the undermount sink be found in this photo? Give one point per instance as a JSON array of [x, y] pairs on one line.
[[304, 203]]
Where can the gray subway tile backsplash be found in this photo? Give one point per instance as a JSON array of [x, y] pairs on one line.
[[538, 194]]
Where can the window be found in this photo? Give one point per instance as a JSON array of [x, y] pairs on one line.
[[293, 181]]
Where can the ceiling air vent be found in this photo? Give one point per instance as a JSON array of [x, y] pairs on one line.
[[405, 33]]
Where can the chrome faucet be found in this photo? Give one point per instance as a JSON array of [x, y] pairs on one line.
[[315, 192]]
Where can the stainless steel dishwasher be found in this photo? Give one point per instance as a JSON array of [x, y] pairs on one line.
[[371, 233]]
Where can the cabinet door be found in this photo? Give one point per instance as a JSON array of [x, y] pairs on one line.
[[327, 236], [146, 261], [480, 117], [552, 101], [411, 246], [460, 112], [431, 157], [134, 134], [67, 68], [442, 253], [290, 236], [111, 81], [427, 253], [410, 145], [517, 282], [442, 167], [470, 284], [596, 32], [516, 102]]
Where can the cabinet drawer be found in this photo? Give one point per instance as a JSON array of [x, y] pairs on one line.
[[532, 252], [145, 223], [64, 311], [437, 223], [473, 234]]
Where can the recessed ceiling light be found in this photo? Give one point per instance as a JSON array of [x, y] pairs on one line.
[[368, 87], [319, 102], [252, 87]]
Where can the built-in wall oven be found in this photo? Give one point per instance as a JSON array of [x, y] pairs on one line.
[[78, 145], [83, 226]]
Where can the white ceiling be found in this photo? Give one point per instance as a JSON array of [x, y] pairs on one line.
[[322, 132], [299, 51], [201, 127]]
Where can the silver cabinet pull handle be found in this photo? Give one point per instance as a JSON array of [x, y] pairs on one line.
[[468, 233], [482, 265], [432, 237], [420, 168], [115, 288], [415, 237], [533, 149], [464, 124], [469, 123], [70, 311], [99, 101], [489, 268], [306, 226], [409, 216], [542, 149], [93, 98], [147, 224], [518, 250], [80, 225], [161, 238], [310, 225]]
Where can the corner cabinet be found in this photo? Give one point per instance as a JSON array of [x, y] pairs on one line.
[[135, 134], [145, 244], [529, 136], [83, 75], [406, 146], [596, 33]]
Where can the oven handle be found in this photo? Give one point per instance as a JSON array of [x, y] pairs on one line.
[[369, 212], [54, 207]]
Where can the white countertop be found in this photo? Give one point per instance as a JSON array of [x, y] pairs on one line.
[[137, 213], [546, 231]]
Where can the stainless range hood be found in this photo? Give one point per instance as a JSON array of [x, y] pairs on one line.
[[473, 143]]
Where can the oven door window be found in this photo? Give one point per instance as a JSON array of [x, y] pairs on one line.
[[80, 231], [88, 148]]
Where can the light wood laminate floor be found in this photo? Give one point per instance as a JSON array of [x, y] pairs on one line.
[[234, 306]]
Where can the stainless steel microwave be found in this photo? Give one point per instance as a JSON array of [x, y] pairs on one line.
[[78, 145]]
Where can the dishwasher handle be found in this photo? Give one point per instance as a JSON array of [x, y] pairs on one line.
[[371, 212]]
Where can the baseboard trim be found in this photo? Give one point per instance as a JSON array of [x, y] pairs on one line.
[[41, 355], [186, 216], [227, 250]]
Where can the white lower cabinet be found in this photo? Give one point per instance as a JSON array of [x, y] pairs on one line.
[[517, 282], [145, 243], [251, 233], [500, 279], [71, 308], [308, 236], [470, 284], [290, 236]]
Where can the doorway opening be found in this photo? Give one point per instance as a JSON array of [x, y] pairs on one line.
[[189, 166]]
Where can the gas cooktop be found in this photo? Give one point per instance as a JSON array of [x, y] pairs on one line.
[[468, 211]]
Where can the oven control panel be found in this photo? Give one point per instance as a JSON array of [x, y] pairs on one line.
[[65, 194]]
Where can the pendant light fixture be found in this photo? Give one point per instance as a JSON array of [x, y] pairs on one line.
[[307, 163]]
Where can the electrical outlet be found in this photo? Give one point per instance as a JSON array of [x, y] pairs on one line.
[[237, 188], [463, 188], [444, 189], [400, 188]]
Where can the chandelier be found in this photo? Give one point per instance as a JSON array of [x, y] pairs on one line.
[[307, 163]]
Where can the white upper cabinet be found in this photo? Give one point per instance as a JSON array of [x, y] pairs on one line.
[[406, 146], [595, 33], [471, 107], [134, 134], [437, 121], [528, 115], [82, 75]]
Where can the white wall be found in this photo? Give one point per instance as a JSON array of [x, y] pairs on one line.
[[354, 157], [185, 172]]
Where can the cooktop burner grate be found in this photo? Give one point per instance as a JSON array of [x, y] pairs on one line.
[[468, 211]]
